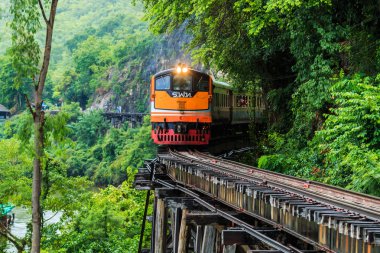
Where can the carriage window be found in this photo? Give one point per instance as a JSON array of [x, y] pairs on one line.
[[163, 83], [181, 82], [241, 101]]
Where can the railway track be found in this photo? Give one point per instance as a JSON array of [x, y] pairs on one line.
[[328, 219], [364, 205]]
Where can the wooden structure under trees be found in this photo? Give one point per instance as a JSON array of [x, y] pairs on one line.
[[118, 118], [4, 112]]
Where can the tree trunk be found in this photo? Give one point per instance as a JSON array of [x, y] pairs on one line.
[[37, 174], [39, 120]]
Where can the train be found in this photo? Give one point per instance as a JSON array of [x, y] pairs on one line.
[[189, 107]]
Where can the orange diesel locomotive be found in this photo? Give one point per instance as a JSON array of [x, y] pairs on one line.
[[187, 105]]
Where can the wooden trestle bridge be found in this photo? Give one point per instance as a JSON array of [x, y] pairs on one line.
[[205, 204], [118, 118]]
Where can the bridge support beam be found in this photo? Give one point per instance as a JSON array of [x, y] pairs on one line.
[[198, 239], [182, 245], [208, 239], [229, 248], [160, 227], [176, 224]]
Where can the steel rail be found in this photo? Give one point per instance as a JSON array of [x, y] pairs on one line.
[[336, 189], [294, 185], [326, 194]]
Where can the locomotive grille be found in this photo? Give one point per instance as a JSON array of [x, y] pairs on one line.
[[181, 105]]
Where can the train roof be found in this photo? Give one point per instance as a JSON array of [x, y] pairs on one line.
[[216, 83], [223, 85], [167, 71], [3, 108]]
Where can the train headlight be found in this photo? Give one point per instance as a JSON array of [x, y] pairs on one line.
[[182, 68]]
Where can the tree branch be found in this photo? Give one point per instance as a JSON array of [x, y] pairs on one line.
[[47, 51], [43, 12], [29, 105], [18, 243], [56, 213]]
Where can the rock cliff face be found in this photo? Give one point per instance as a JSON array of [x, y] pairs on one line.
[[134, 78]]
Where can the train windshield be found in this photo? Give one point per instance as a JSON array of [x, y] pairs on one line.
[[163, 83], [192, 81], [182, 83]]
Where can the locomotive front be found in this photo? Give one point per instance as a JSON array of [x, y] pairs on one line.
[[181, 107]]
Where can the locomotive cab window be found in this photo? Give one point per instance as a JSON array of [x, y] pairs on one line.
[[163, 83], [202, 83], [182, 83]]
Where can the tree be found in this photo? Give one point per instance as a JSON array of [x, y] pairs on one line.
[[14, 181], [25, 52], [349, 142], [9, 95], [106, 221]]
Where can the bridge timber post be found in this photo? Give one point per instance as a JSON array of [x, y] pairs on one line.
[[160, 227], [181, 226], [183, 231], [208, 239], [117, 118]]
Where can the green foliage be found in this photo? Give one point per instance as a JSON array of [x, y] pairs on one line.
[[9, 95], [350, 139], [345, 151], [15, 173], [139, 148], [108, 221], [90, 127], [72, 110], [111, 155], [25, 50], [106, 59], [19, 126], [278, 163]]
